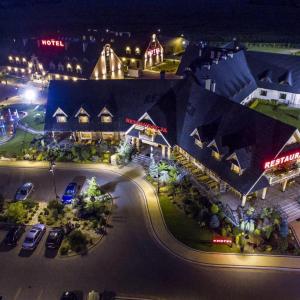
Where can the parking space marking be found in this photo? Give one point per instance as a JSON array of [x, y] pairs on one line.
[[40, 295], [19, 290]]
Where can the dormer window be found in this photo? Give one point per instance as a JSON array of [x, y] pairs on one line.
[[215, 151], [60, 115], [216, 155], [83, 119], [137, 51], [235, 168], [128, 50], [105, 115], [83, 116], [196, 136]]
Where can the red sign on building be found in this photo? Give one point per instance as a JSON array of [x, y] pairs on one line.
[[281, 160], [222, 240], [52, 42], [148, 125]]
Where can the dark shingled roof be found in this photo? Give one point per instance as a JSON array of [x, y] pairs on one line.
[[283, 70], [181, 106], [227, 69]]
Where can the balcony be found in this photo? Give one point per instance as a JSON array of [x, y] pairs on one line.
[[146, 137], [273, 179]]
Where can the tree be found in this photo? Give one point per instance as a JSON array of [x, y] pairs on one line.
[[153, 169], [214, 222], [16, 212], [93, 189]]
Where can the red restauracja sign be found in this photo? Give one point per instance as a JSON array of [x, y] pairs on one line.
[[55, 43], [158, 128], [222, 240], [282, 160]]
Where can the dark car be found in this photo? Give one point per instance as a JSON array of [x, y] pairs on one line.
[[14, 234], [55, 238], [24, 191], [70, 193], [69, 296]]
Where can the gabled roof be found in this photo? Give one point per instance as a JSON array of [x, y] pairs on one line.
[[181, 106], [285, 70]]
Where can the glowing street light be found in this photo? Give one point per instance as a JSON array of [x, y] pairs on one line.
[[30, 95]]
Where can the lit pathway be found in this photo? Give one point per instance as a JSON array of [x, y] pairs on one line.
[[164, 237]]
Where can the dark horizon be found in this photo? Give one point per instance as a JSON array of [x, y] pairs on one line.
[[252, 20]]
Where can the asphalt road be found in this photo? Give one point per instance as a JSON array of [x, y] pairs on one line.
[[128, 261]]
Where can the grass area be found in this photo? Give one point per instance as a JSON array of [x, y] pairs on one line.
[[170, 66], [16, 144], [280, 112], [188, 230], [274, 50], [35, 119]]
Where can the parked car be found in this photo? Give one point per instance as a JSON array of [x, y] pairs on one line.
[[70, 193], [54, 238], [34, 236], [69, 296], [24, 191], [14, 234], [92, 295]]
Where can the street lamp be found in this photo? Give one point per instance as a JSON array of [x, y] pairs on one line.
[[51, 170], [30, 95]]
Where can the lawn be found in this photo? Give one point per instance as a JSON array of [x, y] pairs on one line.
[[20, 141], [35, 118], [274, 50], [280, 112], [188, 230], [170, 66]]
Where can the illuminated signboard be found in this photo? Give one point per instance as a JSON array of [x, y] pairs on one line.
[[282, 160], [54, 43], [143, 124], [155, 51], [222, 240]]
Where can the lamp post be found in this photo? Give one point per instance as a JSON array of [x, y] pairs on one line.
[[51, 170]]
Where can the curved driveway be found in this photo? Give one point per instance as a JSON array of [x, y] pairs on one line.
[[128, 261]]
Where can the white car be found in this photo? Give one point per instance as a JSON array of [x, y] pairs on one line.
[[24, 191], [34, 236]]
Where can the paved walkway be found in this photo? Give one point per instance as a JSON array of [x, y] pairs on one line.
[[29, 129], [161, 233]]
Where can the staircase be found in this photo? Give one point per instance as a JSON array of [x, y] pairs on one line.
[[291, 209], [141, 159]]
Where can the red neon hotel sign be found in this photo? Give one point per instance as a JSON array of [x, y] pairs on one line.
[[51, 42], [281, 160], [143, 124]]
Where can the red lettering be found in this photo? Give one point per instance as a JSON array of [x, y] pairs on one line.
[[281, 160], [49, 43], [44, 42]]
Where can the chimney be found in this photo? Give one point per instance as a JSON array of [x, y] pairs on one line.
[[213, 86], [207, 84]]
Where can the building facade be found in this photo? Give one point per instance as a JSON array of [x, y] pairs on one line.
[[242, 150]]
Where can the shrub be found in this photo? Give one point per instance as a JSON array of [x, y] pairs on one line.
[[29, 204], [64, 249], [1, 202], [77, 241], [16, 212], [56, 205], [214, 209]]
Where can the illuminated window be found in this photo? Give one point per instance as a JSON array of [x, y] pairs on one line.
[[66, 77], [10, 58], [86, 135], [83, 119], [236, 169], [9, 68], [40, 66], [61, 119], [69, 67], [17, 58], [137, 51], [198, 143], [216, 155], [78, 69], [24, 60], [128, 50], [106, 119], [57, 76]]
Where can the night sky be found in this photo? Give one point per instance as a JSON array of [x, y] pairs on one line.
[[248, 19]]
